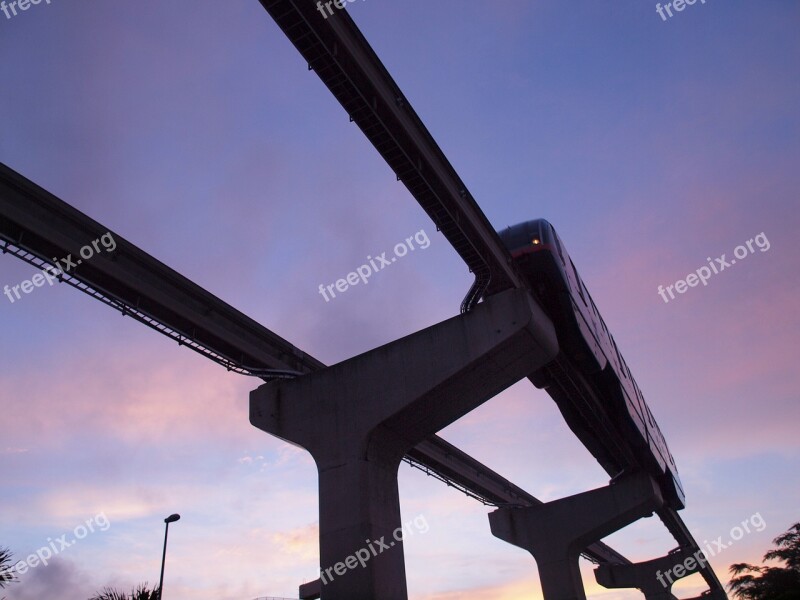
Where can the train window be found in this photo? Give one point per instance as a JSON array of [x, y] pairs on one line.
[[594, 308], [578, 283], [603, 323], [590, 304], [621, 362], [558, 244], [638, 394]]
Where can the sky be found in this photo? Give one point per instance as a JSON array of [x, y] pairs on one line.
[[194, 130]]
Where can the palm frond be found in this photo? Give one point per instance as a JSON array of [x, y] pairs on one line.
[[142, 592], [7, 575]]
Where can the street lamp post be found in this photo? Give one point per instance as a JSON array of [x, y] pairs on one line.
[[168, 520]]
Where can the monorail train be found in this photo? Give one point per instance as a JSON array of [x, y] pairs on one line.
[[589, 380]]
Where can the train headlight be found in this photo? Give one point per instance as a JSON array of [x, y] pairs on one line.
[[536, 241]]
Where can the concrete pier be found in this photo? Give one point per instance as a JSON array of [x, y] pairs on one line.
[[653, 577], [358, 418], [311, 590], [556, 533]]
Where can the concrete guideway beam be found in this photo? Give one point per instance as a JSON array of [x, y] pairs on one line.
[[359, 418], [653, 577], [557, 532]]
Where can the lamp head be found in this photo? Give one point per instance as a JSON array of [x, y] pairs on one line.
[[172, 518]]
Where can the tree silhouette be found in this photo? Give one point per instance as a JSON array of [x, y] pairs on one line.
[[140, 593], [6, 574], [771, 583]]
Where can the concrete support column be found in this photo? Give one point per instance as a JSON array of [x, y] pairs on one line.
[[557, 532], [653, 577], [358, 419]]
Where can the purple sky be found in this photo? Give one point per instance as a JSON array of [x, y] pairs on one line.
[[194, 130]]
